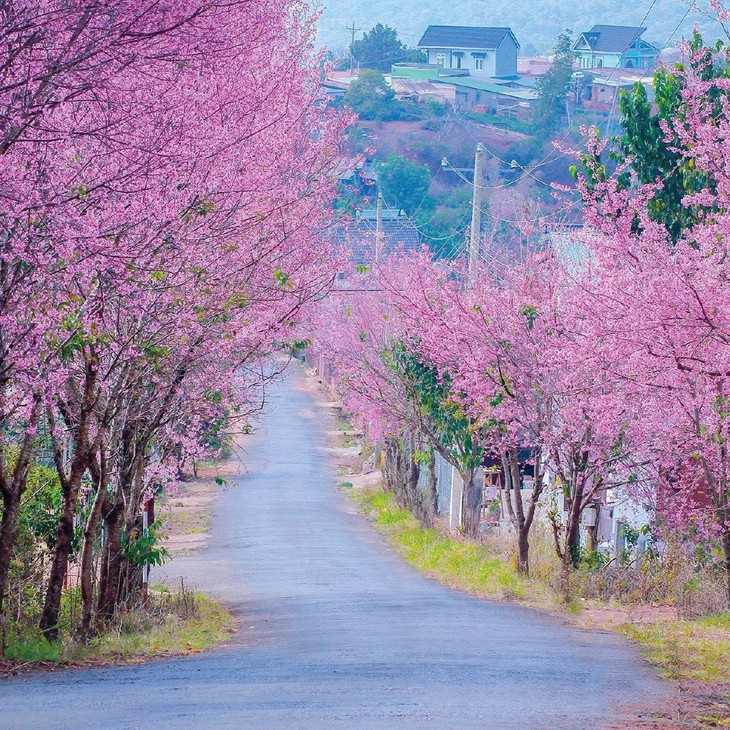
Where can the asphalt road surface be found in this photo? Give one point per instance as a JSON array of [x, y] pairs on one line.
[[337, 632]]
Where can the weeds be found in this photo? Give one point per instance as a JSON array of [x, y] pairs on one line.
[[461, 564], [172, 622], [697, 650]]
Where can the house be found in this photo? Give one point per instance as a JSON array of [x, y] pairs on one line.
[[491, 96], [482, 52], [614, 46], [359, 235], [460, 90]]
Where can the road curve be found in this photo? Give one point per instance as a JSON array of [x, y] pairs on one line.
[[337, 632]]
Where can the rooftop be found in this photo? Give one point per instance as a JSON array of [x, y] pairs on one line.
[[360, 237], [611, 38], [462, 36], [491, 85]]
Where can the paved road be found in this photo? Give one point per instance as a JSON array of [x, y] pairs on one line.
[[337, 631]]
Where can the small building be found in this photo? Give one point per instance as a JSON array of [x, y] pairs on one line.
[[614, 46], [494, 97], [360, 237], [483, 52]]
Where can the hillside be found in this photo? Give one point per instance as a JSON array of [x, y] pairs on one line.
[[535, 22]]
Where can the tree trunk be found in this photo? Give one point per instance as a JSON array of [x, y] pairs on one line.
[[111, 563], [87, 561], [726, 551], [516, 508], [471, 504], [11, 505], [64, 539], [12, 487], [572, 531], [433, 482], [523, 551]]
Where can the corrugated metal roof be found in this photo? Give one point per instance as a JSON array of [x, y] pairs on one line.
[[612, 38], [461, 36], [493, 88]]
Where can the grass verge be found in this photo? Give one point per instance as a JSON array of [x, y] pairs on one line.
[[687, 650], [696, 654], [172, 624], [458, 563]]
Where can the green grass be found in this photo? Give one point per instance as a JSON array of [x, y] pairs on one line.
[[515, 125], [458, 563], [30, 646], [695, 650], [173, 625]]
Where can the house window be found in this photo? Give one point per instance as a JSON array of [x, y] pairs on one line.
[[440, 59], [479, 64]]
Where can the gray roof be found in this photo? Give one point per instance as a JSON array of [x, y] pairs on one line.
[[461, 36], [359, 236], [612, 38]]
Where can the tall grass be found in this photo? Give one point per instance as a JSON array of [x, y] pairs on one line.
[[459, 563], [171, 623]]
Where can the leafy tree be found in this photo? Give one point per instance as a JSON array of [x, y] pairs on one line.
[[445, 222], [371, 98], [552, 87], [656, 156], [404, 184], [454, 434], [380, 48]]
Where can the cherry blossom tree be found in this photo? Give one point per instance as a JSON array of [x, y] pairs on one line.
[[165, 221]]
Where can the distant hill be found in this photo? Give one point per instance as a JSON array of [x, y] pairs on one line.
[[536, 23]]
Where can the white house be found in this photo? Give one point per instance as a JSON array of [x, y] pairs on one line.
[[483, 52]]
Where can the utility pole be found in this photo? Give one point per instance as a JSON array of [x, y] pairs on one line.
[[352, 29], [475, 233], [378, 227]]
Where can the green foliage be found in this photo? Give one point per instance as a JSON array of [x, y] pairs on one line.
[[39, 509], [283, 280], [432, 396], [371, 98], [30, 646], [548, 109], [380, 48], [404, 184], [143, 547], [444, 222], [654, 157]]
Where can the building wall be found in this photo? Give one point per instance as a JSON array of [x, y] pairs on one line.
[[507, 58], [631, 59], [449, 58], [589, 59]]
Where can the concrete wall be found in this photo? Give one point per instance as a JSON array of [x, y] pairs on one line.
[[506, 64], [468, 61]]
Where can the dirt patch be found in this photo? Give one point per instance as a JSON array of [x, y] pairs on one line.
[[186, 514], [600, 617]]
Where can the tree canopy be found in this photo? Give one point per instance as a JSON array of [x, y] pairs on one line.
[[552, 87], [380, 48], [404, 184], [371, 97]]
